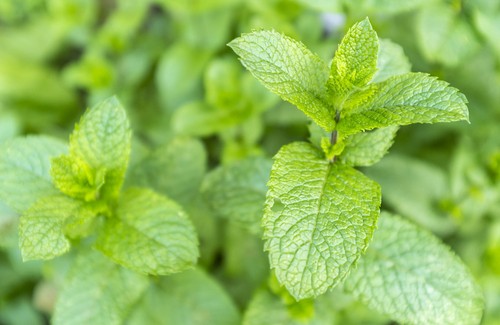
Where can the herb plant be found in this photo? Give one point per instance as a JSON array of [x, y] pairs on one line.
[[164, 206], [320, 213]]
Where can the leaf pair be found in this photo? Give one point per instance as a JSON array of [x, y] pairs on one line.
[[289, 69], [320, 213], [136, 228]]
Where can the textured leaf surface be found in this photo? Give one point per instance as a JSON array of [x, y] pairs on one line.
[[405, 99], [175, 169], [24, 170], [238, 191], [191, 297], [289, 69], [97, 291], [411, 276], [41, 227], [367, 148], [150, 234], [355, 60], [319, 218], [102, 139], [75, 178]]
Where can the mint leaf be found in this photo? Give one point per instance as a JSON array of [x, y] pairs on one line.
[[97, 291], [191, 297], [175, 169], [405, 99], [149, 234], [367, 148], [200, 119], [102, 140], [238, 191], [408, 274], [75, 178], [41, 227], [391, 61], [24, 170], [355, 61], [179, 72], [289, 69], [445, 35], [318, 219]]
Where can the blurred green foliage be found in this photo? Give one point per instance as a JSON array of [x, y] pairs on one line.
[[168, 63]]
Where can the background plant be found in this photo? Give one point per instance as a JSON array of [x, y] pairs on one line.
[[165, 61]]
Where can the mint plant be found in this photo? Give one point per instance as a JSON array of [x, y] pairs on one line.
[[321, 213], [116, 218], [67, 196]]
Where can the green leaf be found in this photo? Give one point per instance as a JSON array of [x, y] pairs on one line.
[[97, 291], [199, 119], [191, 297], [175, 169], [405, 99], [102, 140], [149, 234], [289, 69], [408, 274], [178, 76], [367, 148], [238, 191], [319, 218], [75, 178], [355, 61], [41, 227], [391, 61], [24, 170], [444, 35]]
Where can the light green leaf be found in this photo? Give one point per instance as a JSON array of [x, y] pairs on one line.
[[175, 169], [238, 191], [289, 69], [355, 61], [391, 61], [24, 170], [408, 274], [178, 76], [222, 81], [102, 140], [97, 291], [75, 178], [367, 148], [319, 218], [199, 119], [149, 234], [444, 35], [41, 227], [405, 99], [191, 297]]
